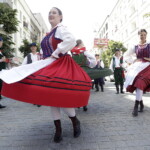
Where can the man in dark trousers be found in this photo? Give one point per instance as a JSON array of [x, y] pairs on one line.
[[116, 66], [2, 66], [99, 81]]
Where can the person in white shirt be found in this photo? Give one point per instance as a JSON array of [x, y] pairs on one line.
[[83, 58], [56, 81], [33, 56], [138, 73], [99, 81], [116, 66]]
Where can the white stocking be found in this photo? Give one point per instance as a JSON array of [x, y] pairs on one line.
[[56, 113], [139, 94], [69, 111]]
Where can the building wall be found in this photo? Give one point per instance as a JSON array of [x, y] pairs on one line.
[[43, 25], [29, 27], [126, 18]]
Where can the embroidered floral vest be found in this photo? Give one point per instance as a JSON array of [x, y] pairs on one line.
[[49, 43]]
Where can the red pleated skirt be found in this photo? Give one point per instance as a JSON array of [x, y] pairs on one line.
[[141, 81], [61, 84]]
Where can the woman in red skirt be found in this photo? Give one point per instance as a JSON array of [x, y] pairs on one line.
[[138, 74], [56, 81]]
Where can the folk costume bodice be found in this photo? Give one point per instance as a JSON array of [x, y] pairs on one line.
[[79, 57], [142, 51], [49, 43]]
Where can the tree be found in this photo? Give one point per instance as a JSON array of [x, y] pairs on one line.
[[9, 23], [7, 42], [108, 54], [8, 19], [25, 48]]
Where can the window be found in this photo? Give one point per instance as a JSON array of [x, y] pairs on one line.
[[106, 35], [125, 18], [104, 30], [106, 26], [20, 16], [126, 33], [15, 2], [100, 36], [15, 38], [133, 26], [121, 22], [122, 36], [143, 1], [132, 10], [20, 33], [24, 35]]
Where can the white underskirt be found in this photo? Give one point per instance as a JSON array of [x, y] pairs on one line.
[[18, 73], [133, 71]]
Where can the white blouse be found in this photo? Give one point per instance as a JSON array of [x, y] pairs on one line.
[[18, 73], [34, 57], [68, 40], [117, 62]]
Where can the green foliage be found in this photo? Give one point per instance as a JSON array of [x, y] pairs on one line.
[[108, 54], [106, 57], [7, 43], [147, 15], [8, 19], [25, 48], [9, 23]]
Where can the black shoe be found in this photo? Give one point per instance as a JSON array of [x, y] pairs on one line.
[[85, 108], [141, 106], [1, 106], [135, 110], [57, 138], [122, 92], [58, 132], [117, 88], [37, 105], [96, 87], [102, 88], [121, 89], [76, 126]]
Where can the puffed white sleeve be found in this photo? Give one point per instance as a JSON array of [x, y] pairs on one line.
[[111, 65], [24, 61], [68, 41], [91, 59], [41, 52], [129, 55], [102, 64]]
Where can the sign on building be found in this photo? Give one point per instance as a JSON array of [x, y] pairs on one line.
[[100, 43]]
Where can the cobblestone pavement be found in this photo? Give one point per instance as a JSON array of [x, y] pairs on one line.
[[107, 125]]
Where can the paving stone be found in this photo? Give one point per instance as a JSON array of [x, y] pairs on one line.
[[107, 125]]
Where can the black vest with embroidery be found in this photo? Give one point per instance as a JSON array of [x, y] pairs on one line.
[[29, 60]]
